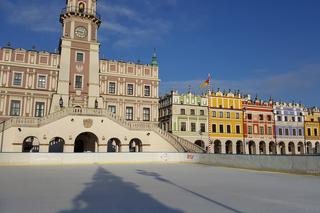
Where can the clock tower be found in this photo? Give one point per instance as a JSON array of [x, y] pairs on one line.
[[78, 84]]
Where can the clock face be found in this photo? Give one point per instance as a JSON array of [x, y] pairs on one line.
[[81, 32]]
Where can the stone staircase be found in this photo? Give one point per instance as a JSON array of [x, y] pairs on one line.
[[180, 144]]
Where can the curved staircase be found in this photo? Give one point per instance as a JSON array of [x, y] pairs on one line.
[[180, 144]]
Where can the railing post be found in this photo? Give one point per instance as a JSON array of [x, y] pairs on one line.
[[2, 136]]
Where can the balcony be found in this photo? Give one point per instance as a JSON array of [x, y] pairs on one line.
[[89, 13]]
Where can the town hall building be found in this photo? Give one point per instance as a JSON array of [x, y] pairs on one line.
[[74, 101]]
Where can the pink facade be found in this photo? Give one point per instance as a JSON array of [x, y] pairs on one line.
[[34, 83]]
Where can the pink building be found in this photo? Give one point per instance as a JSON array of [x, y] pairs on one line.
[[35, 84]]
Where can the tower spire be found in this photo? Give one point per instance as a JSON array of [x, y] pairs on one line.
[[154, 61]]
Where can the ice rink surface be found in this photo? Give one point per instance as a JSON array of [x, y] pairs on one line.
[[173, 188]]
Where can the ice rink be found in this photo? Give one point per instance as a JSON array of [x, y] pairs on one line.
[[172, 188]]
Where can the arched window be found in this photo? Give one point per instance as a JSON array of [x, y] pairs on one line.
[[56, 145], [82, 7], [239, 148], [200, 143], [217, 147], [229, 147], [114, 145], [135, 145], [30, 144], [252, 148]]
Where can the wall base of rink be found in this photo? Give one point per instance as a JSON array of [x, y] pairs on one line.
[[21, 159], [277, 163], [289, 164]]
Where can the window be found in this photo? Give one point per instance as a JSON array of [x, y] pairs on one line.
[[280, 132], [261, 117], [286, 118], [146, 114], [78, 84], [315, 132], [294, 132], [214, 128], [42, 81], [112, 88], [300, 132], [129, 113], [228, 129], [287, 131], [309, 132], [293, 119], [183, 126], [278, 112], [81, 7], [39, 109], [238, 129], [201, 112], [17, 79], [269, 117], [182, 111], [130, 89], [80, 57], [6, 56], [214, 114], [193, 127], [318, 119], [202, 127], [237, 115], [299, 119], [250, 130], [249, 116], [147, 91], [221, 128], [279, 118], [261, 130], [192, 112], [228, 114], [112, 109], [15, 108], [221, 115], [269, 131]]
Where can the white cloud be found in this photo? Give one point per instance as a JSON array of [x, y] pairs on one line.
[[132, 27], [301, 85], [34, 15], [124, 26]]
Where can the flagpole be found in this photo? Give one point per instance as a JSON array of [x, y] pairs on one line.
[[209, 95]]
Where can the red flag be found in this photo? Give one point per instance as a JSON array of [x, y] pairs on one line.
[[206, 83]]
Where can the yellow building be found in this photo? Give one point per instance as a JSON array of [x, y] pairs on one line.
[[226, 123], [312, 130]]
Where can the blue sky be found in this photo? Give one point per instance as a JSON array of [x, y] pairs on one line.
[[264, 47]]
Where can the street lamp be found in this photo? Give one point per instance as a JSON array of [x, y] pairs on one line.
[[96, 104], [305, 148], [200, 133], [61, 102]]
